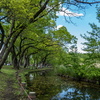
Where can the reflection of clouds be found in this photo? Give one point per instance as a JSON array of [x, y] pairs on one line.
[[62, 94], [65, 12], [70, 94]]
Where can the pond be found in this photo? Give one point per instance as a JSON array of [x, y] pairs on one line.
[[48, 86]]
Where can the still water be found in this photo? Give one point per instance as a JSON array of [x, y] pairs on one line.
[[51, 87]]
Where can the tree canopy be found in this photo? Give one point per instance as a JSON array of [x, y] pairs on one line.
[[31, 18], [92, 44]]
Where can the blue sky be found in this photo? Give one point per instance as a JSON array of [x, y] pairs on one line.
[[82, 24]]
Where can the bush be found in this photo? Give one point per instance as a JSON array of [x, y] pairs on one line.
[[61, 70], [81, 72], [93, 74]]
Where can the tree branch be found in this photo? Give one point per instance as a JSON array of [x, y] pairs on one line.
[[3, 18], [92, 2], [39, 12], [2, 35]]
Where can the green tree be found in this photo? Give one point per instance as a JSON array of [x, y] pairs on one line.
[[92, 44], [16, 16]]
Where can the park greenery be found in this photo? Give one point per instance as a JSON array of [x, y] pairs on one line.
[[29, 38]]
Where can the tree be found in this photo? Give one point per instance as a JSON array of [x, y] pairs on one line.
[[18, 15], [92, 44], [98, 13]]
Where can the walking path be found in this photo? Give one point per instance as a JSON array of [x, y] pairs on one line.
[[8, 85], [9, 92]]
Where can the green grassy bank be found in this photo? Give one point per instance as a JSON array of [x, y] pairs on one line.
[[9, 87], [8, 83], [6, 73]]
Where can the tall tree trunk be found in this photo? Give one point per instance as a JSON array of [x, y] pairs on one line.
[[15, 59], [2, 33], [26, 61], [8, 50], [16, 32]]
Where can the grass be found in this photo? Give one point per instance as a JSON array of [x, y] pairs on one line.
[[3, 77], [7, 73]]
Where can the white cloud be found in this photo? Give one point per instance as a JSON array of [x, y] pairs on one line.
[[81, 51], [66, 12], [59, 26]]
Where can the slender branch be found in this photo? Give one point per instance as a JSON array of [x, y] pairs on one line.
[[39, 12], [94, 2], [3, 18], [40, 3], [12, 25], [32, 53]]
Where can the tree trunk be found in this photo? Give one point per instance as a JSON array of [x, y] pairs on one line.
[[14, 59], [8, 50], [2, 33], [26, 61]]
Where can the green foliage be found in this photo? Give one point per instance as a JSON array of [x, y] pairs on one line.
[[92, 44], [93, 73], [98, 13], [61, 70], [62, 35], [81, 72]]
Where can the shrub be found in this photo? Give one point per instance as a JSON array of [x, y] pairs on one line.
[[61, 70]]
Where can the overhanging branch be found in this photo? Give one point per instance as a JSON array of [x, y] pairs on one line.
[[92, 2]]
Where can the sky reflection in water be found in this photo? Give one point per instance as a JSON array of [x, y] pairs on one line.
[[55, 88]]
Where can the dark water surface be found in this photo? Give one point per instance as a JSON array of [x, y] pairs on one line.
[[51, 87]]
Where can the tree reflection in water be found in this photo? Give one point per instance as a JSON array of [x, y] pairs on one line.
[[50, 87]]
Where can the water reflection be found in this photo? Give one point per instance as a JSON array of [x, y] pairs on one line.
[[77, 92], [71, 94], [50, 87]]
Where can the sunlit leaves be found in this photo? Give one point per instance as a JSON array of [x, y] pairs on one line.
[[92, 39], [62, 35], [98, 13]]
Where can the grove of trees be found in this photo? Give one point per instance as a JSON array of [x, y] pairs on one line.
[[28, 32], [86, 66]]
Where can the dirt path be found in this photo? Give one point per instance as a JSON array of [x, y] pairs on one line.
[[9, 93], [9, 87]]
